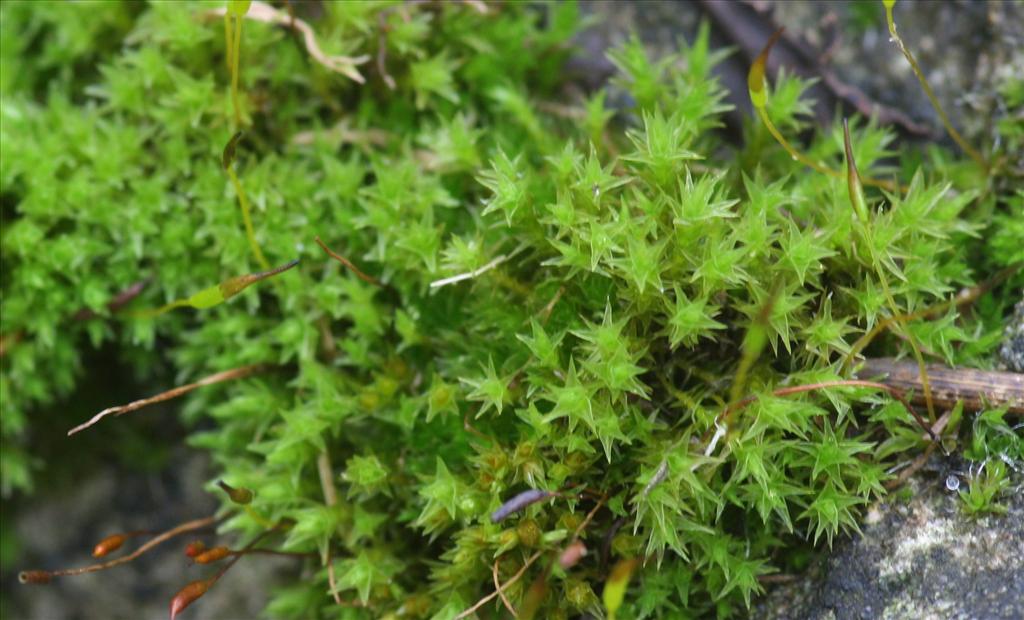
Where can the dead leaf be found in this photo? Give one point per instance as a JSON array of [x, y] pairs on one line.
[[345, 65]]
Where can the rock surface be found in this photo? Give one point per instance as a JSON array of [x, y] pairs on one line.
[[968, 50], [57, 532], [917, 559], [1011, 354]]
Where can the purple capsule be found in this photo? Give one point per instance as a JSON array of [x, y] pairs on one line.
[[519, 502]]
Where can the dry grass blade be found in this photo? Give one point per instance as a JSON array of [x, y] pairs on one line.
[[325, 471], [545, 314], [514, 578], [469, 275], [501, 591], [343, 133], [227, 375], [345, 65]]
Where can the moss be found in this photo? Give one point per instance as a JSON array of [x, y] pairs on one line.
[[547, 304]]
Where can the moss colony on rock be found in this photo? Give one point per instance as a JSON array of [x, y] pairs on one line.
[[541, 295]]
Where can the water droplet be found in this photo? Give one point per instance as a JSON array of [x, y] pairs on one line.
[[952, 483]]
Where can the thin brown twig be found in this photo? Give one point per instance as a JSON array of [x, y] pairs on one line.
[[325, 471], [327, 344], [940, 424], [382, 49], [779, 578], [477, 5], [726, 414], [964, 297], [545, 314], [332, 579], [514, 578], [116, 303], [9, 340], [501, 591], [606, 546], [342, 133], [289, 554], [472, 429], [227, 375], [347, 263], [189, 526], [561, 110], [588, 518], [238, 556], [912, 469]]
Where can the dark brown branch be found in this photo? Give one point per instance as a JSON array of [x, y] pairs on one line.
[[977, 389]]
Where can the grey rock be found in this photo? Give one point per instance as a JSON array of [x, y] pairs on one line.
[[59, 531], [917, 559], [1011, 353]]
